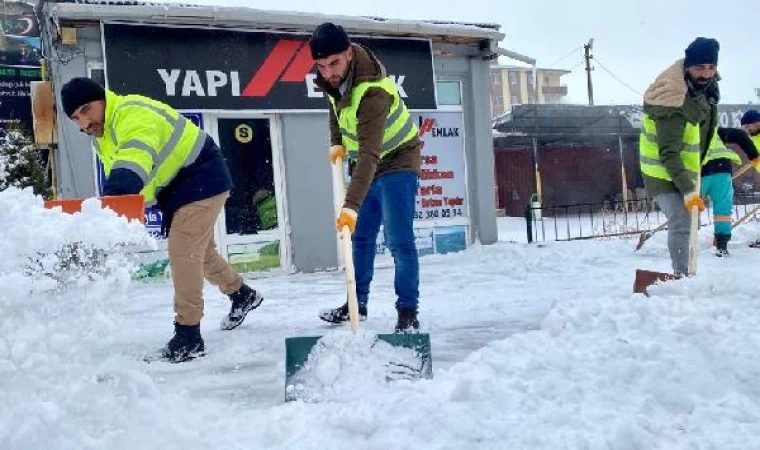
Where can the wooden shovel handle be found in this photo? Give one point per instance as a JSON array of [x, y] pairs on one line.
[[348, 256]]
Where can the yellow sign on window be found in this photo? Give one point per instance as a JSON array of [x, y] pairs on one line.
[[243, 133]]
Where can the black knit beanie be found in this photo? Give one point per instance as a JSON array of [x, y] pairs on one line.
[[328, 39], [702, 51], [78, 92]]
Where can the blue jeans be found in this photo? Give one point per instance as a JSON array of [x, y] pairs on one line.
[[720, 188], [390, 201]]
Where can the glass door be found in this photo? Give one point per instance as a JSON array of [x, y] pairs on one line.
[[251, 235]]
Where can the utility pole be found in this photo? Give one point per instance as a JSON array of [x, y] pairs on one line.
[[587, 50]]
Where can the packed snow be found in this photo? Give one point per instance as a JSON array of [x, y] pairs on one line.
[[535, 346], [341, 364]]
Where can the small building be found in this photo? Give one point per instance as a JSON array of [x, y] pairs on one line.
[[246, 77], [515, 85]]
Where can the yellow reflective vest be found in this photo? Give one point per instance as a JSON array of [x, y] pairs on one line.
[[719, 150], [756, 141], [399, 126], [148, 138], [649, 150]]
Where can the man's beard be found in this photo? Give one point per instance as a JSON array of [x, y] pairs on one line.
[[337, 82], [701, 82]]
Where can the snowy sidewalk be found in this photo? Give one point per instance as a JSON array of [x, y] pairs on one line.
[[533, 347]]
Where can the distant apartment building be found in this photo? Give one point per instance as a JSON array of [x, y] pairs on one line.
[[513, 85]]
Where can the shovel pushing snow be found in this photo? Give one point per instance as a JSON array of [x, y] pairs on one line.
[[305, 356], [130, 206], [646, 278]]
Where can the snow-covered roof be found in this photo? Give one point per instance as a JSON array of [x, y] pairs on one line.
[[245, 17]]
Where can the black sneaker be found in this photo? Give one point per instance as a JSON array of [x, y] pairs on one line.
[[340, 314], [244, 300], [407, 321], [721, 243], [186, 344]]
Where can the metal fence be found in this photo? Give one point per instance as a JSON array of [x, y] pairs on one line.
[[614, 219]]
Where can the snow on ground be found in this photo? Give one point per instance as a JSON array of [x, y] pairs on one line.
[[534, 346]]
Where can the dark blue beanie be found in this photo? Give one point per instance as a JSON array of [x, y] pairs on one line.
[[702, 51], [751, 116]]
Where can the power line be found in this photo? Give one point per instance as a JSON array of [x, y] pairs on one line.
[[616, 77], [570, 53], [583, 61]]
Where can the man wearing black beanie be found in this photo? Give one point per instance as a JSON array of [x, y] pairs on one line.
[[147, 147], [681, 147], [370, 123]]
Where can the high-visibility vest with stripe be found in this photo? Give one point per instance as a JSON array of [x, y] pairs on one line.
[[399, 126], [718, 150], [649, 150], [756, 141], [148, 138]]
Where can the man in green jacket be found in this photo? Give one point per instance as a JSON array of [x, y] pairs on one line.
[[678, 129]]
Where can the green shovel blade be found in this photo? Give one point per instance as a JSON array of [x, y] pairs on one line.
[[297, 351]]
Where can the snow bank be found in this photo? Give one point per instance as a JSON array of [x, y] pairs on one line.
[[44, 249], [534, 347]]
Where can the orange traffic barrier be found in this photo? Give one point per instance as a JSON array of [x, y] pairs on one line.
[[130, 206]]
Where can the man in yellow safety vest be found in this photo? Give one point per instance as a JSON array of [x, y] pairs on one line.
[[370, 123], [678, 135], [147, 147]]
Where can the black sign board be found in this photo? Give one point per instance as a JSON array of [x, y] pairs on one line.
[[205, 69]]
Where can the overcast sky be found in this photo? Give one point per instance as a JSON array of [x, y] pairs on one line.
[[633, 39]]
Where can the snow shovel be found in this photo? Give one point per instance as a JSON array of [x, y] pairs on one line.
[[130, 206], [646, 278], [297, 349], [645, 235]]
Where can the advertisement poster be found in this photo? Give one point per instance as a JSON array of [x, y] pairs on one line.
[[15, 96], [432, 240], [442, 191], [450, 239], [19, 64], [423, 239]]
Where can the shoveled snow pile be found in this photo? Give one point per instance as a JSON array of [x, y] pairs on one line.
[[46, 249], [341, 364]]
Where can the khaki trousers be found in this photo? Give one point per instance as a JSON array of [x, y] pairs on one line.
[[193, 257]]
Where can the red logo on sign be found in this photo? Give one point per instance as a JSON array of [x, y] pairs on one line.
[[289, 61], [426, 126]]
